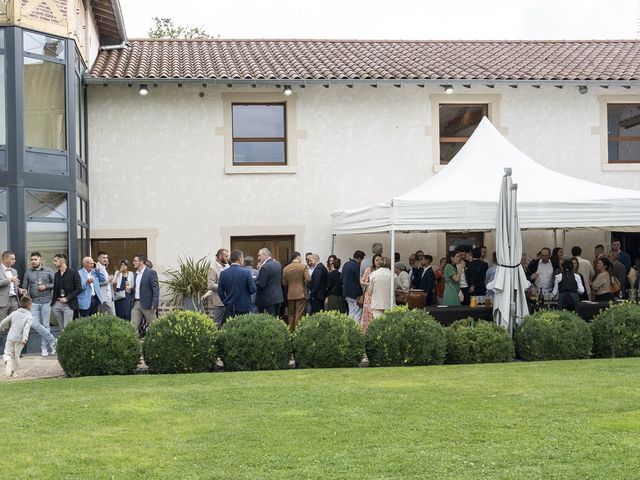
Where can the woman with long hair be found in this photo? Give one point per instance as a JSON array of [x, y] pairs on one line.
[[601, 285], [367, 313], [122, 285], [452, 274]]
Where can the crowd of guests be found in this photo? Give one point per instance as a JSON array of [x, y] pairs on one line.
[[29, 302]]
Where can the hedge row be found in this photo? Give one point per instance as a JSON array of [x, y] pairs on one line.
[[189, 342]]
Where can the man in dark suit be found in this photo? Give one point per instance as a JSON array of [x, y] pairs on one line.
[[351, 288], [146, 293], [427, 279], [318, 286], [236, 286], [477, 273], [66, 288], [269, 284]]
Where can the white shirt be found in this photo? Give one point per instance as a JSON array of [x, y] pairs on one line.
[[544, 279], [89, 275], [463, 280], [403, 282], [12, 286], [106, 289], [138, 278], [586, 270]]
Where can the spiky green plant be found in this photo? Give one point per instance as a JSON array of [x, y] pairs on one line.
[[189, 280]]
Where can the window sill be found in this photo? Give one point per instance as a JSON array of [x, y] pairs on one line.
[[621, 167], [438, 167], [244, 169]]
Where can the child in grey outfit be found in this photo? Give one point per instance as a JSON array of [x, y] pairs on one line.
[[20, 322]]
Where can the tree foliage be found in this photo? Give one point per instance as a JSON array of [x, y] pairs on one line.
[[165, 27]]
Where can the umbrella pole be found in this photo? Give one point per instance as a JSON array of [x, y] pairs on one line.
[[333, 245], [392, 256]]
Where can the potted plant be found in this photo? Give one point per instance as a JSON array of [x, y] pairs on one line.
[[188, 283]]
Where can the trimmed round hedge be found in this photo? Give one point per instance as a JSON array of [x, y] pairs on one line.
[[328, 340], [553, 335], [616, 331], [478, 341], [179, 342], [405, 337], [255, 341], [98, 345]]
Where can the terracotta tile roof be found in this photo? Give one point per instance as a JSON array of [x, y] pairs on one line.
[[610, 60]]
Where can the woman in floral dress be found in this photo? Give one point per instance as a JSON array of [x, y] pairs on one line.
[[367, 314]]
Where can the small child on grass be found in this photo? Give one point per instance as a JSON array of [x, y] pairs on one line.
[[20, 322]]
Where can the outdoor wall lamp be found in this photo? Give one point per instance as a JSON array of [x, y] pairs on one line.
[[448, 89], [143, 90], [583, 89], [288, 91]]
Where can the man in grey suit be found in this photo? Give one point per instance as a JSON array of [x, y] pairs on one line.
[[9, 285], [269, 295]]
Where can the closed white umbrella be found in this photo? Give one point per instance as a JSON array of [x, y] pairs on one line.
[[510, 283]]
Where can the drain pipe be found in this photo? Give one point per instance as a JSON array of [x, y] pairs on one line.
[[119, 46]]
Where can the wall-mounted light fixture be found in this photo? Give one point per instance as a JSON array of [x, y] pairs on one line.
[[448, 89], [583, 89], [143, 90], [287, 91]]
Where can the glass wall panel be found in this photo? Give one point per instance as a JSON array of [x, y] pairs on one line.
[[78, 115], [3, 128], [46, 205], [4, 240], [3, 203], [47, 238], [38, 44], [44, 98]]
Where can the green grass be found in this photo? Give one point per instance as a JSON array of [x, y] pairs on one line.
[[572, 419]]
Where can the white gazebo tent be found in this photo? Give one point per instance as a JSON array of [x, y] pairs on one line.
[[464, 196]]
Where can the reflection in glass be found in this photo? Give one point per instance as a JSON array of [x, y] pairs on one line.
[[38, 44], [1, 38], [3, 203], [258, 152], [44, 100], [47, 238], [258, 121], [623, 125], [78, 115], [457, 123], [46, 205], [4, 240], [3, 129]]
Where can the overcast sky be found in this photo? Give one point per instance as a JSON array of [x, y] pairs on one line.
[[397, 19]]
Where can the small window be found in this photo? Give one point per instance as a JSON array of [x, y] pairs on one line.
[[457, 123], [259, 134], [38, 44], [623, 132], [46, 206]]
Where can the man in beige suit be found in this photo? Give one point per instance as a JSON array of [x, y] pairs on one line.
[[295, 277], [213, 277], [9, 285]]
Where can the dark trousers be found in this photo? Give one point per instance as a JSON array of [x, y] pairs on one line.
[[270, 309], [568, 301], [466, 297], [93, 308], [317, 305]]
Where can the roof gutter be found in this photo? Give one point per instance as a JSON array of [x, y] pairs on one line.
[[490, 83]]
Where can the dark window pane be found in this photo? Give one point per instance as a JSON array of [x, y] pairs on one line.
[[38, 44], [1, 38], [48, 239], [258, 121], [46, 205], [3, 130], [623, 125], [78, 115], [3, 203], [460, 120], [258, 152], [449, 150], [44, 100]]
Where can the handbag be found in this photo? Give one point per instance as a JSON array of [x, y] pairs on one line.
[[119, 295], [615, 286], [360, 301]]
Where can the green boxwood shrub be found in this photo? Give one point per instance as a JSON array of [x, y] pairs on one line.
[[478, 341], [255, 341], [616, 331], [553, 335], [181, 341], [405, 337], [98, 345], [326, 340]]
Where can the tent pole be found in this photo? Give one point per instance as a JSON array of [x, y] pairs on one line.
[[333, 245], [555, 237], [392, 256]]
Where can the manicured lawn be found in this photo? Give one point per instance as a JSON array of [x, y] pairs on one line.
[[573, 419]]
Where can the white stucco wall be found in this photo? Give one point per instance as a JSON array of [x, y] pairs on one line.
[[157, 165]]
